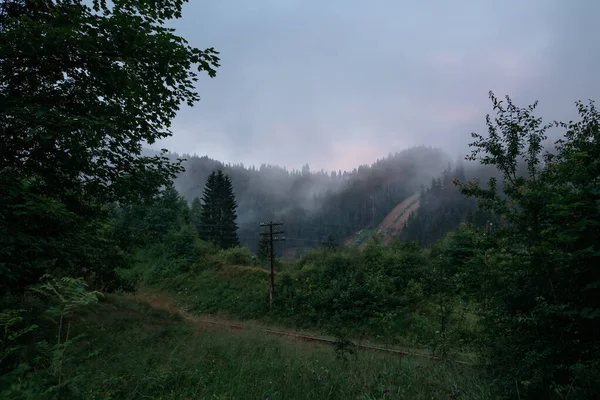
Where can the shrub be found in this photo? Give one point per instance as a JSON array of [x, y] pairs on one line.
[[238, 256]]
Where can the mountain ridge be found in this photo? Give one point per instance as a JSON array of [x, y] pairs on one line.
[[313, 204]]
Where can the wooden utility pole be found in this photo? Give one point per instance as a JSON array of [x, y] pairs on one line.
[[272, 239]]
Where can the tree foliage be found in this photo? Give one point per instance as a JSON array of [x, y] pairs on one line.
[[83, 89], [84, 86], [542, 314], [218, 214]]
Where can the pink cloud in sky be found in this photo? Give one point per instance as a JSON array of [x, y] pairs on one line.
[[351, 153]]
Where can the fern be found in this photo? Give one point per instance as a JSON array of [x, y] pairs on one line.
[[72, 295]]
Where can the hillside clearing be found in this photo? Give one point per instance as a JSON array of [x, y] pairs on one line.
[[390, 226]]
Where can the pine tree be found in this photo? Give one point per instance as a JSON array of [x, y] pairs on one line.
[[218, 213], [228, 226], [208, 212], [196, 215]]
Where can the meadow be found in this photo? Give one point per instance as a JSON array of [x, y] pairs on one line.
[[196, 361]]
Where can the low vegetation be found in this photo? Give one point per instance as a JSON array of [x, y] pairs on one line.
[[199, 361]]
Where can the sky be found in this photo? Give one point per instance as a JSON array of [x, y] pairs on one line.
[[336, 84]]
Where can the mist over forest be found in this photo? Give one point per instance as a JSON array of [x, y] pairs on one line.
[[319, 205], [315, 204]]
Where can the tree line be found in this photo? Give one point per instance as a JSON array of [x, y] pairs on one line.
[[315, 205]]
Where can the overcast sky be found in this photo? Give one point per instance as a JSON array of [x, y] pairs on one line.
[[340, 83]]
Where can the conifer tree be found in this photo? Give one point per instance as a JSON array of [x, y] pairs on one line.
[[218, 213], [196, 215], [208, 215], [228, 225]]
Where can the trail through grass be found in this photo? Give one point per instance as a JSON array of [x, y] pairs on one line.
[[163, 301], [150, 353]]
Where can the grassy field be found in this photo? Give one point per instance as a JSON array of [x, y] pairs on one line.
[[154, 354], [242, 294]]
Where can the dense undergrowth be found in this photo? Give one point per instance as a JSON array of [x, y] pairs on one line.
[[383, 293]]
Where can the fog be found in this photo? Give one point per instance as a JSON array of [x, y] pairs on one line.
[[314, 204], [338, 84]]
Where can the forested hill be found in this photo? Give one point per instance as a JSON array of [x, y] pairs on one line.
[[442, 207], [314, 205]]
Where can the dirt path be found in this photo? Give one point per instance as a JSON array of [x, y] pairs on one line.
[[163, 301], [254, 268]]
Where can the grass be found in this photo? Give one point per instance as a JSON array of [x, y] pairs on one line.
[[164, 301], [152, 354], [239, 292], [242, 294]]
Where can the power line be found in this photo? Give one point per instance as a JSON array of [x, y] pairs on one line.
[[272, 239]]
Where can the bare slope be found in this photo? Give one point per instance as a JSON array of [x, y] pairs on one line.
[[391, 225], [395, 220]]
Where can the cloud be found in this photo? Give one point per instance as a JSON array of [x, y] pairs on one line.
[[333, 83], [351, 153]]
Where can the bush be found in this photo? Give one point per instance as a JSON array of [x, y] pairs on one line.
[[238, 256], [180, 252]]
